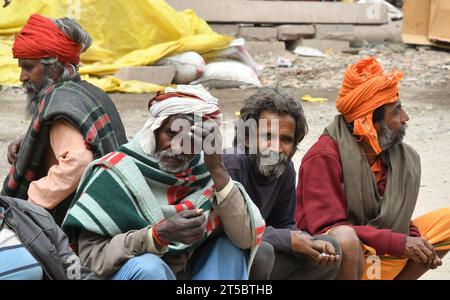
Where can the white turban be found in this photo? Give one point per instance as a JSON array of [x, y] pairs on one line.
[[184, 99]]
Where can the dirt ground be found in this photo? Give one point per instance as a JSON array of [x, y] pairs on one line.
[[429, 133]]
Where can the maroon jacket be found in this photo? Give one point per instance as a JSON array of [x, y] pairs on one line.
[[321, 202]]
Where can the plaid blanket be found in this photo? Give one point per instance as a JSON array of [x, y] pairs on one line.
[[75, 103], [126, 190]]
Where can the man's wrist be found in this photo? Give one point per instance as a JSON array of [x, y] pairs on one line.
[[220, 177], [159, 235], [216, 168]]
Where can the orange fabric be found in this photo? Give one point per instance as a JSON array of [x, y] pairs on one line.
[[66, 161], [365, 88], [434, 226], [376, 169]]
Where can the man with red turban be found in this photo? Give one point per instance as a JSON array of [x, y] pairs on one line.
[[73, 122], [360, 173]]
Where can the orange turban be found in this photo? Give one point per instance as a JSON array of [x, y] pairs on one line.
[[365, 88]]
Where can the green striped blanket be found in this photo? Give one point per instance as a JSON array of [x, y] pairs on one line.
[[126, 190]]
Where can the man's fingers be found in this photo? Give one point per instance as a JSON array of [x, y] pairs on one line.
[[197, 233], [317, 259], [313, 254], [197, 142], [325, 258], [333, 259], [421, 256], [191, 213], [196, 222], [436, 263], [193, 235], [13, 149], [330, 249], [202, 132], [10, 158], [429, 254], [429, 246], [318, 245], [206, 130], [417, 259]]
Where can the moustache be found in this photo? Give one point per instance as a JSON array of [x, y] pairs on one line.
[[170, 154], [30, 88]]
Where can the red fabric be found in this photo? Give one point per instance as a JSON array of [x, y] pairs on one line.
[[41, 38], [160, 96], [321, 202]]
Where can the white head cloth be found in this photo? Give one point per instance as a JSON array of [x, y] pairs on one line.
[[161, 110]]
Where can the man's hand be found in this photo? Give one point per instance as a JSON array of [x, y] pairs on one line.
[[210, 138], [422, 252], [7, 2], [321, 252], [13, 149], [186, 227]]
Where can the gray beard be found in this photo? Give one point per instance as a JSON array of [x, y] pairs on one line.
[[275, 169], [388, 138], [34, 94], [172, 167]]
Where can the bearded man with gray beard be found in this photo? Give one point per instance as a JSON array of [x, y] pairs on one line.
[[163, 206], [72, 123], [361, 174], [271, 126]]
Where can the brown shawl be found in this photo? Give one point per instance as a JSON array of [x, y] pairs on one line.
[[365, 206]]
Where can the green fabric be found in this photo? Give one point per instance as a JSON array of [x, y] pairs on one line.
[[365, 206], [126, 191]]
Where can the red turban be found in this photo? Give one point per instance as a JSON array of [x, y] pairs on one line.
[[365, 88], [41, 38]]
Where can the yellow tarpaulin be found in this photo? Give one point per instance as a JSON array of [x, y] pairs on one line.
[[125, 33]]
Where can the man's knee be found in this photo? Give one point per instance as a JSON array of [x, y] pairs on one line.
[[350, 245], [263, 263], [147, 267], [346, 237]]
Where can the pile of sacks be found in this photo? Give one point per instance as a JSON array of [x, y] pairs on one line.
[[227, 68]]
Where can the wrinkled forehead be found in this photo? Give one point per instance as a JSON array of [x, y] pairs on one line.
[[392, 106], [28, 62], [175, 120]]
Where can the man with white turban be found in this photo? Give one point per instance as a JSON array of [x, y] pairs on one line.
[[155, 210]]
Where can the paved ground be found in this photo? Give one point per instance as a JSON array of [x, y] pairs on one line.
[[429, 133]]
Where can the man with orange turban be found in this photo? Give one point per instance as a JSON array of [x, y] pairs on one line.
[[73, 122], [360, 173]]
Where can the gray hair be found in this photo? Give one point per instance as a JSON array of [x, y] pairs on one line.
[[74, 32], [77, 34]]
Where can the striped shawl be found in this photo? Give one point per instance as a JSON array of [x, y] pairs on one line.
[[126, 190]]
